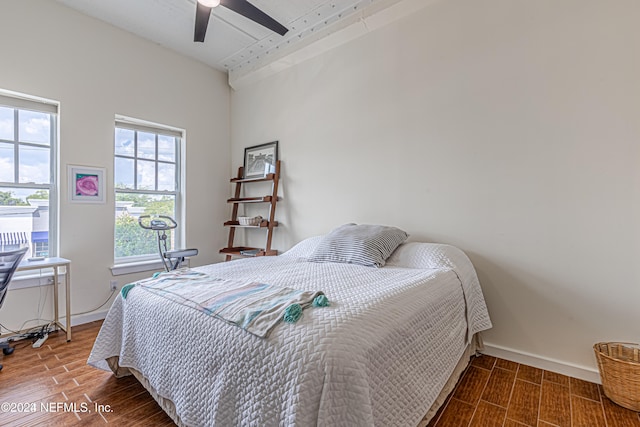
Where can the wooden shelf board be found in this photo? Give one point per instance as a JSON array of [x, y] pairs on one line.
[[265, 199], [236, 251], [263, 224], [268, 177]]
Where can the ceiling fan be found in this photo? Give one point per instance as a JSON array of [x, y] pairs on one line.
[[243, 7]]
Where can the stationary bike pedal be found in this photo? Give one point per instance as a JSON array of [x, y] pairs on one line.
[[7, 351]]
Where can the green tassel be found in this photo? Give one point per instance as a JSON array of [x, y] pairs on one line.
[[125, 290], [292, 313], [321, 301]]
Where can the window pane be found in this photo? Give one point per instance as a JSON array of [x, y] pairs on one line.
[[123, 175], [24, 220], [34, 164], [130, 238], [7, 163], [41, 249], [166, 177], [146, 145], [166, 148], [146, 175], [149, 166], [27, 156], [39, 199], [124, 142], [6, 123], [34, 127], [13, 197]]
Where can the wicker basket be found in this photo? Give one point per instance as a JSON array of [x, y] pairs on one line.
[[619, 365], [249, 220]]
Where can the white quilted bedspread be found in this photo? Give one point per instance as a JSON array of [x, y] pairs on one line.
[[379, 355]]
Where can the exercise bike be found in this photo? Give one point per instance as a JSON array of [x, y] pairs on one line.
[[160, 224]]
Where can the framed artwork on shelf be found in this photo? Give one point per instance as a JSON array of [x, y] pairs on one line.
[[87, 184], [260, 160]]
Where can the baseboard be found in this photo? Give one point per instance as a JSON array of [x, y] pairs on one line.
[[75, 321], [582, 372], [88, 318], [81, 319]]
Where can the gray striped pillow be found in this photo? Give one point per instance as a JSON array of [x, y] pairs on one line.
[[363, 244]]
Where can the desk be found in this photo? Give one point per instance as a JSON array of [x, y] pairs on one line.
[[55, 264]]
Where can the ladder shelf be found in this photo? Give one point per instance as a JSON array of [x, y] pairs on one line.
[[267, 224]]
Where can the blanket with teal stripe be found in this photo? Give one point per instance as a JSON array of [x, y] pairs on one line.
[[253, 306]]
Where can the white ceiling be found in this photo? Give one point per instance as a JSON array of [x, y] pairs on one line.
[[233, 43]]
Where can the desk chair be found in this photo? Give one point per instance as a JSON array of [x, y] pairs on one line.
[[8, 264]]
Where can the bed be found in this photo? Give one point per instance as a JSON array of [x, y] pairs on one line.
[[386, 351]]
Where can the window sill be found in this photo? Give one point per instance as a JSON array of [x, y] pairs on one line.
[[137, 267], [142, 266]]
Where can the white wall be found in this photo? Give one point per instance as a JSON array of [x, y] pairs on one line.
[[97, 71], [507, 128]]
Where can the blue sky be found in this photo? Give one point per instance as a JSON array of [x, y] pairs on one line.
[[33, 128], [146, 154]]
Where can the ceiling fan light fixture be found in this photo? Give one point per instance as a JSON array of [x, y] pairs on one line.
[[242, 7], [209, 3]]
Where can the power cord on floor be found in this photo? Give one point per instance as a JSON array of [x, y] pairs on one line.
[[29, 333], [32, 334], [21, 329]]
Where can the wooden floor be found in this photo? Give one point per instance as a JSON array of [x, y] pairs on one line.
[[57, 374], [53, 386], [497, 392]]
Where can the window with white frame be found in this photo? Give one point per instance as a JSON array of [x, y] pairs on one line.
[[147, 182], [28, 187]]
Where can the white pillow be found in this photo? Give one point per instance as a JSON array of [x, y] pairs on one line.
[[364, 244], [426, 255], [304, 248]]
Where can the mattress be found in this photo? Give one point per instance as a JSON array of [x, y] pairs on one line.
[[379, 355], [463, 363]]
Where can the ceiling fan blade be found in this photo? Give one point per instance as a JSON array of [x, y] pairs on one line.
[[202, 21], [246, 9]]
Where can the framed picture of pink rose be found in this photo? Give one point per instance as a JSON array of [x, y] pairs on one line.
[[87, 184]]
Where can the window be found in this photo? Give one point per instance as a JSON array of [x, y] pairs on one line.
[[146, 182], [28, 195]]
